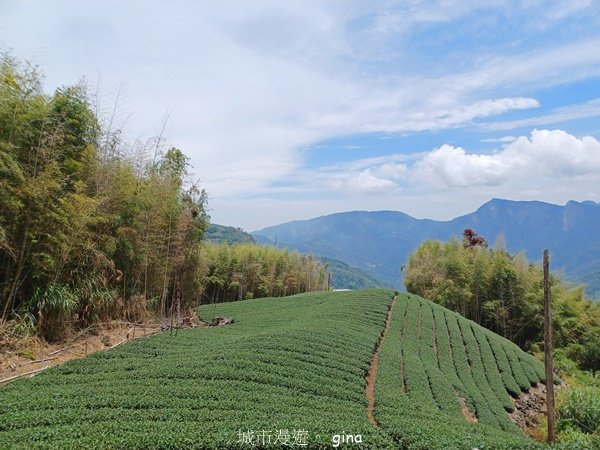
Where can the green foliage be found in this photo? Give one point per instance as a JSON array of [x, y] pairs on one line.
[[417, 382], [54, 305], [504, 293], [83, 221], [344, 276], [297, 363], [429, 357], [490, 395], [230, 235], [253, 271], [580, 407], [491, 369], [579, 416]]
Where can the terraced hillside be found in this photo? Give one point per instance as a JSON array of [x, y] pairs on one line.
[[439, 373], [289, 371]]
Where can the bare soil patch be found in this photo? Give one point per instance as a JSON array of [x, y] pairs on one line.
[[530, 407], [370, 389], [469, 415], [29, 356]]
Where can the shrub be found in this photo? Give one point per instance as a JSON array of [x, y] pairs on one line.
[[579, 409]]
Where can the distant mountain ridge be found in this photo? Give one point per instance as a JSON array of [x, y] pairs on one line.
[[380, 242], [231, 235], [344, 276]]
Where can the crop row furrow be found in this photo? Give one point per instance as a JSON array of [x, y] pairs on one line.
[[441, 387], [515, 366], [464, 372], [511, 385], [491, 369], [415, 375], [481, 379]]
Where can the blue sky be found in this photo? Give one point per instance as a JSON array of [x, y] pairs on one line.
[[291, 110]]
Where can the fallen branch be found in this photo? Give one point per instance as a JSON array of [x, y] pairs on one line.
[[63, 349], [118, 343], [40, 360], [14, 377]]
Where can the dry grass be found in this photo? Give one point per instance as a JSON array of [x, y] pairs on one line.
[[19, 355]]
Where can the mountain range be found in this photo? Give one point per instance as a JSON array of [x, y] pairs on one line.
[[380, 242]]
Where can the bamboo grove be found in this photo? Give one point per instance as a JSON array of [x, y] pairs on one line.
[[93, 227], [504, 293], [246, 271]]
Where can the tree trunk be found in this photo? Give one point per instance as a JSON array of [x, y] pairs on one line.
[[548, 347]]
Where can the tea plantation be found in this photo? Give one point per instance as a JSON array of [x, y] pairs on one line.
[[289, 373]]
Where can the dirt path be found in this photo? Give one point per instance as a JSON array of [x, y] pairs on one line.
[[34, 356], [370, 389]]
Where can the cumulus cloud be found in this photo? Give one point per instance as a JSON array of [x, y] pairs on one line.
[[452, 166], [549, 153], [556, 152], [544, 156], [366, 182], [382, 175]]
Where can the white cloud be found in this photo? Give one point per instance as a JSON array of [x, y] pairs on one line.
[[491, 108], [584, 110], [501, 139], [556, 152], [548, 165], [537, 68], [402, 16], [562, 9], [391, 170], [381, 175], [365, 182], [252, 84], [462, 115], [452, 166], [547, 154]]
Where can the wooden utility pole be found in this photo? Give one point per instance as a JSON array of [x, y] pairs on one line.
[[548, 347]]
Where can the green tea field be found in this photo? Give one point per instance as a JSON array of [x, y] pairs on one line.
[[289, 373]]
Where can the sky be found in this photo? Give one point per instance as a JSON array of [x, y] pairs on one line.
[[295, 109]]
